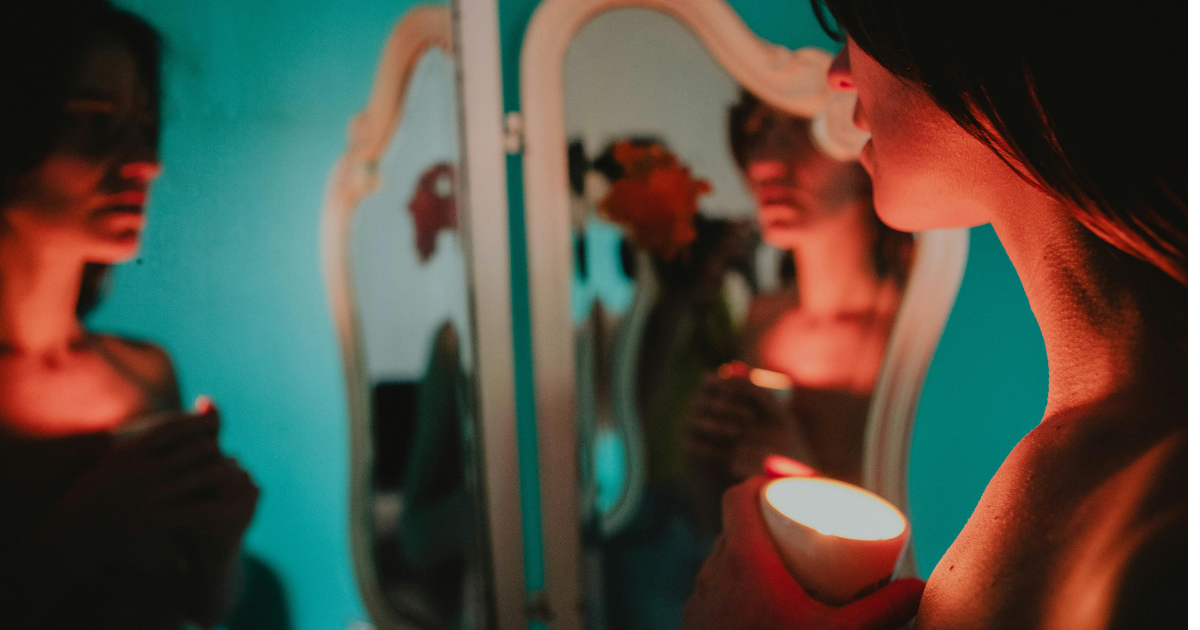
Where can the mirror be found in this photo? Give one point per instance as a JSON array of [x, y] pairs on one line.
[[733, 296], [400, 267]]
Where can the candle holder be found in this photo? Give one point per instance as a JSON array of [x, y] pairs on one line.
[[838, 541]]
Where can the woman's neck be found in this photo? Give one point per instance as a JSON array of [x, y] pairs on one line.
[[835, 273], [1106, 332], [38, 295]]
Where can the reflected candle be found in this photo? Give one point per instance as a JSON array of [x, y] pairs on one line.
[[839, 541]]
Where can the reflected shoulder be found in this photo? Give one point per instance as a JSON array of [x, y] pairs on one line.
[[148, 362]]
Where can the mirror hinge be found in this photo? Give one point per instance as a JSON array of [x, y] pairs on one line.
[[514, 133]]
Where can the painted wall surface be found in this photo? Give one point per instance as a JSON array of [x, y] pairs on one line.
[[258, 96], [985, 390], [987, 384]]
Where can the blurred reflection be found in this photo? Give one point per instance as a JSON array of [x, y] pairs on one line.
[[411, 302], [825, 330], [120, 511], [425, 516], [719, 319]]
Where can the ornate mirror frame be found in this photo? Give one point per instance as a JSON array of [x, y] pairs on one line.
[[791, 80], [485, 238]]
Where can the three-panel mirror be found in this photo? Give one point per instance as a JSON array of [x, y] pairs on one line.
[[710, 295]]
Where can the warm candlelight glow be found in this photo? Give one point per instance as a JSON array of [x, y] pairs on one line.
[[836, 508], [839, 541], [769, 379], [776, 466]]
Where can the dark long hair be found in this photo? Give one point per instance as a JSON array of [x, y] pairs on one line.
[[1087, 100], [41, 45]]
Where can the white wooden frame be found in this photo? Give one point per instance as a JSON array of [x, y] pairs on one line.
[[791, 80], [485, 230]]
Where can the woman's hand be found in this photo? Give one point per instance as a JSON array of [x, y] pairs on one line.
[[117, 511], [744, 586], [209, 525], [165, 498], [119, 508], [221, 501], [734, 425]]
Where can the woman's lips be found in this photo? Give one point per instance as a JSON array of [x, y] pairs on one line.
[[127, 201], [769, 195], [779, 215]]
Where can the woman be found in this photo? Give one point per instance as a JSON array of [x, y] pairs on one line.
[[1061, 124], [120, 510], [827, 332]]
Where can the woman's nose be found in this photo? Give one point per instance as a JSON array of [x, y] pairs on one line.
[[839, 71], [761, 171], [142, 171]]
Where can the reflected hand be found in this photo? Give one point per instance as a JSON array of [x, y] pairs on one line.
[[209, 523], [221, 501], [734, 425], [743, 584], [120, 508]]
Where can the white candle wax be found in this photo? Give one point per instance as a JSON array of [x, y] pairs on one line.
[[839, 541]]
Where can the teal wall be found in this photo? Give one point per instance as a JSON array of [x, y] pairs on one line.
[[258, 95], [257, 100], [985, 390]]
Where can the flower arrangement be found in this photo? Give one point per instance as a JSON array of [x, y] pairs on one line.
[[655, 198], [433, 208]]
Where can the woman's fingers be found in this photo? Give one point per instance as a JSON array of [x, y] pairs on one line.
[[743, 521], [700, 450], [202, 452], [720, 427], [761, 404], [229, 507], [197, 481], [743, 584], [885, 609], [729, 410], [172, 432]]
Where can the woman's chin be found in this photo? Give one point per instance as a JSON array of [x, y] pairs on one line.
[[115, 248], [901, 221], [901, 209]]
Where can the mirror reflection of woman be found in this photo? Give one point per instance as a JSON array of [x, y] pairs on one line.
[[120, 509], [1063, 125], [826, 332]]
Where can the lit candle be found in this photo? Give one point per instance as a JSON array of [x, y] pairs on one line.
[[839, 541]]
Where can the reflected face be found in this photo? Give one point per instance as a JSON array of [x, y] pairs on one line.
[[927, 171], [796, 186], [88, 198]]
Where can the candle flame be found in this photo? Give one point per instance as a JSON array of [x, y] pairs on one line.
[[836, 508], [779, 466], [769, 379]]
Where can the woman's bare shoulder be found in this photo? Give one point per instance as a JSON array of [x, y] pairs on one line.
[[149, 363]]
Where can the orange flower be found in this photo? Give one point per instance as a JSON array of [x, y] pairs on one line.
[[433, 208], [655, 200]]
